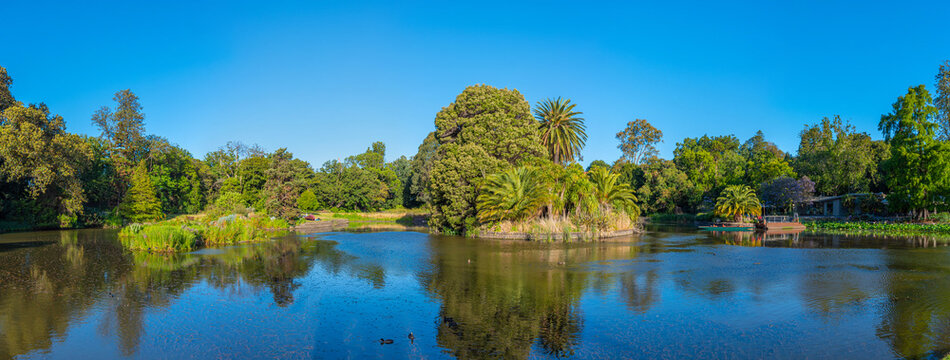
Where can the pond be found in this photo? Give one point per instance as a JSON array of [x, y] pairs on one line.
[[669, 293]]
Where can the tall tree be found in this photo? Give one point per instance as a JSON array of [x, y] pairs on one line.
[[124, 127], [282, 188], [638, 141], [918, 172], [562, 129], [764, 160], [485, 130], [140, 203], [942, 101]]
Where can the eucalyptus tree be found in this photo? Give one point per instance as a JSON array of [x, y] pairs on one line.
[[638, 141], [942, 101], [563, 131]]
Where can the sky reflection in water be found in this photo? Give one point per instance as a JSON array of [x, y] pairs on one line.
[[670, 293]]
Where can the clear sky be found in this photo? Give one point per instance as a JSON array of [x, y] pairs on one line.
[[325, 79]]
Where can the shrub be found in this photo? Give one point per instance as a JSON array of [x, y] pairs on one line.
[[158, 238]]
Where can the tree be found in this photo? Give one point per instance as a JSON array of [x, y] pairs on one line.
[[661, 187], [140, 203], [124, 126], [514, 194], [612, 194], [6, 97], [42, 161], [711, 163], [638, 141], [918, 172], [307, 201], [942, 101], [840, 160], [418, 186], [764, 160], [281, 188], [736, 201], [785, 193], [562, 129], [485, 131]]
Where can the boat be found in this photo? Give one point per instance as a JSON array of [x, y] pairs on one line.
[[780, 223]]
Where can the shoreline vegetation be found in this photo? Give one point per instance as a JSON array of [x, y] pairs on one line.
[[188, 233], [492, 164]]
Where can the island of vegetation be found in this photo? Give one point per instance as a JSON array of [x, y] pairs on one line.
[[492, 166]]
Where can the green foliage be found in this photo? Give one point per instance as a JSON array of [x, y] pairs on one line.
[[40, 164], [942, 101], [562, 129], [418, 185], [638, 141], [158, 238], [514, 194], [858, 226], [661, 187], [282, 187], [736, 201], [764, 161], [840, 160], [229, 202], [307, 201], [140, 203], [175, 174], [918, 171], [485, 131], [123, 127], [611, 194]]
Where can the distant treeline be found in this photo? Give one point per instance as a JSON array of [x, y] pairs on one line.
[[486, 146]]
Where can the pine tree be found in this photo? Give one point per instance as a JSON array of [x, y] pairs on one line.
[[140, 203]]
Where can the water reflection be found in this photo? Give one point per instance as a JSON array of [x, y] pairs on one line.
[[670, 293]]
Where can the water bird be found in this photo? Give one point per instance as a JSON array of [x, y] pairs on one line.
[[385, 341], [412, 338]]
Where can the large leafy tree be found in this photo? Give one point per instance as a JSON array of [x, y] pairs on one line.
[[6, 97], [785, 193], [711, 163], [638, 141], [124, 127], [514, 194], [177, 177], [42, 162], [563, 131], [660, 187], [282, 186], [485, 131], [418, 185], [764, 160], [736, 201], [918, 172], [839, 159]]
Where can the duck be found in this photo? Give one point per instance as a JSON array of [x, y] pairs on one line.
[[385, 341], [412, 338]]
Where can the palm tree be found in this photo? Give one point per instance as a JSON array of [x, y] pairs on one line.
[[514, 194], [610, 193], [736, 201], [562, 129]]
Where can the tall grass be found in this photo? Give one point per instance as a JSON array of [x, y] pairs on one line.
[[186, 234], [158, 238]]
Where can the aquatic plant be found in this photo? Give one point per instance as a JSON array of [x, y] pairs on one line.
[[158, 238]]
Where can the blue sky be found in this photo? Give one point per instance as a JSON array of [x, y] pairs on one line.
[[325, 79]]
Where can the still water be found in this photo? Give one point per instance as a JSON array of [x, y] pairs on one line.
[[670, 293]]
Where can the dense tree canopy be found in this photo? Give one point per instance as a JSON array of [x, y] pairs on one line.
[[839, 159], [918, 171], [485, 131]]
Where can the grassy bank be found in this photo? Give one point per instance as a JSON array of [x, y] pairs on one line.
[[404, 217], [864, 226], [560, 229], [189, 233], [679, 218]]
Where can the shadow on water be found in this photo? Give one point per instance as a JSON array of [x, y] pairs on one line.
[[670, 293]]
